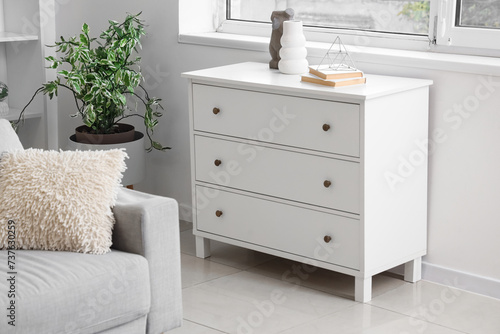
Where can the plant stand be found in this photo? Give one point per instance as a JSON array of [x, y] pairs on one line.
[[136, 163]]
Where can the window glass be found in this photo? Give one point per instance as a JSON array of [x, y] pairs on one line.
[[479, 13], [395, 16]]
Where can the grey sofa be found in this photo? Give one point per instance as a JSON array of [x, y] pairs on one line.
[[136, 288]]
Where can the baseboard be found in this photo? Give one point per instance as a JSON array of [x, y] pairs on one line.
[[465, 281], [462, 280]]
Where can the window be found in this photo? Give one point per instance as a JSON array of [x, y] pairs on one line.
[[470, 26]]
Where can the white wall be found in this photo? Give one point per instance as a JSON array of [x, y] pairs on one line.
[[464, 222]]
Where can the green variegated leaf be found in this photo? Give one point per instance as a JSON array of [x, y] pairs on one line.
[[106, 93], [118, 77], [76, 86], [88, 97], [126, 78], [157, 145], [83, 39], [122, 98]]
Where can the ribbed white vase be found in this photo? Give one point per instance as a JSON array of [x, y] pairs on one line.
[[293, 50]]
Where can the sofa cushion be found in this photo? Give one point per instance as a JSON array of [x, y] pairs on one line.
[[60, 200], [64, 292], [8, 137]]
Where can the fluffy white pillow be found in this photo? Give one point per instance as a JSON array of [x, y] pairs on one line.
[[60, 200]]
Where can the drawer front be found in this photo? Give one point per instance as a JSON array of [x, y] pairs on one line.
[[298, 122], [280, 173], [279, 226]]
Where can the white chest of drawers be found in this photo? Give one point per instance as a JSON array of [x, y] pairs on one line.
[[335, 178]]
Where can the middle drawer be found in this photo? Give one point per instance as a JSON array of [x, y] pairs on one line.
[[300, 177]]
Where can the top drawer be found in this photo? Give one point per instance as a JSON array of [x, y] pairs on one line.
[[319, 125]]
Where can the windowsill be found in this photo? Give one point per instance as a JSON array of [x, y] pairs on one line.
[[418, 59]]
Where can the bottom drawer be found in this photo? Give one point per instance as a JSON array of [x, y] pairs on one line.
[[283, 227]]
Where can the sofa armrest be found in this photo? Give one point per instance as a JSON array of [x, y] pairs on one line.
[[148, 225]]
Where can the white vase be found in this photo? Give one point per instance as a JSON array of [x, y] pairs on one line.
[[293, 50]]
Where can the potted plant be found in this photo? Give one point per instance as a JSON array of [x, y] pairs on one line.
[[103, 75]]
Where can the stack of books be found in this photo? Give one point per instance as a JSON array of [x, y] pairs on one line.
[[324, 75]]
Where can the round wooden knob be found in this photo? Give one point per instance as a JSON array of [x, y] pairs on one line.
[[326, 127], [327, 238], [217, 162], [216, 111], [327, 183], [218, 213]]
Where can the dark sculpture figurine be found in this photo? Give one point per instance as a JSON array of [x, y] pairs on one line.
[[277, 19]]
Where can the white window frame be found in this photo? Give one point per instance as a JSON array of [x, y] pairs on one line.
[[449, 33], [443, 36]]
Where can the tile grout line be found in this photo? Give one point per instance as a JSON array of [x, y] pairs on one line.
[[215, 329], [317, 319], [210, 280], [418, 318]]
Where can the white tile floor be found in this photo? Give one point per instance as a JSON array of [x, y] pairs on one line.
[[245, 292]]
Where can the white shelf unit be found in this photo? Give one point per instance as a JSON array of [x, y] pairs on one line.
[[7, 36], [14, 113], [26, 27]]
